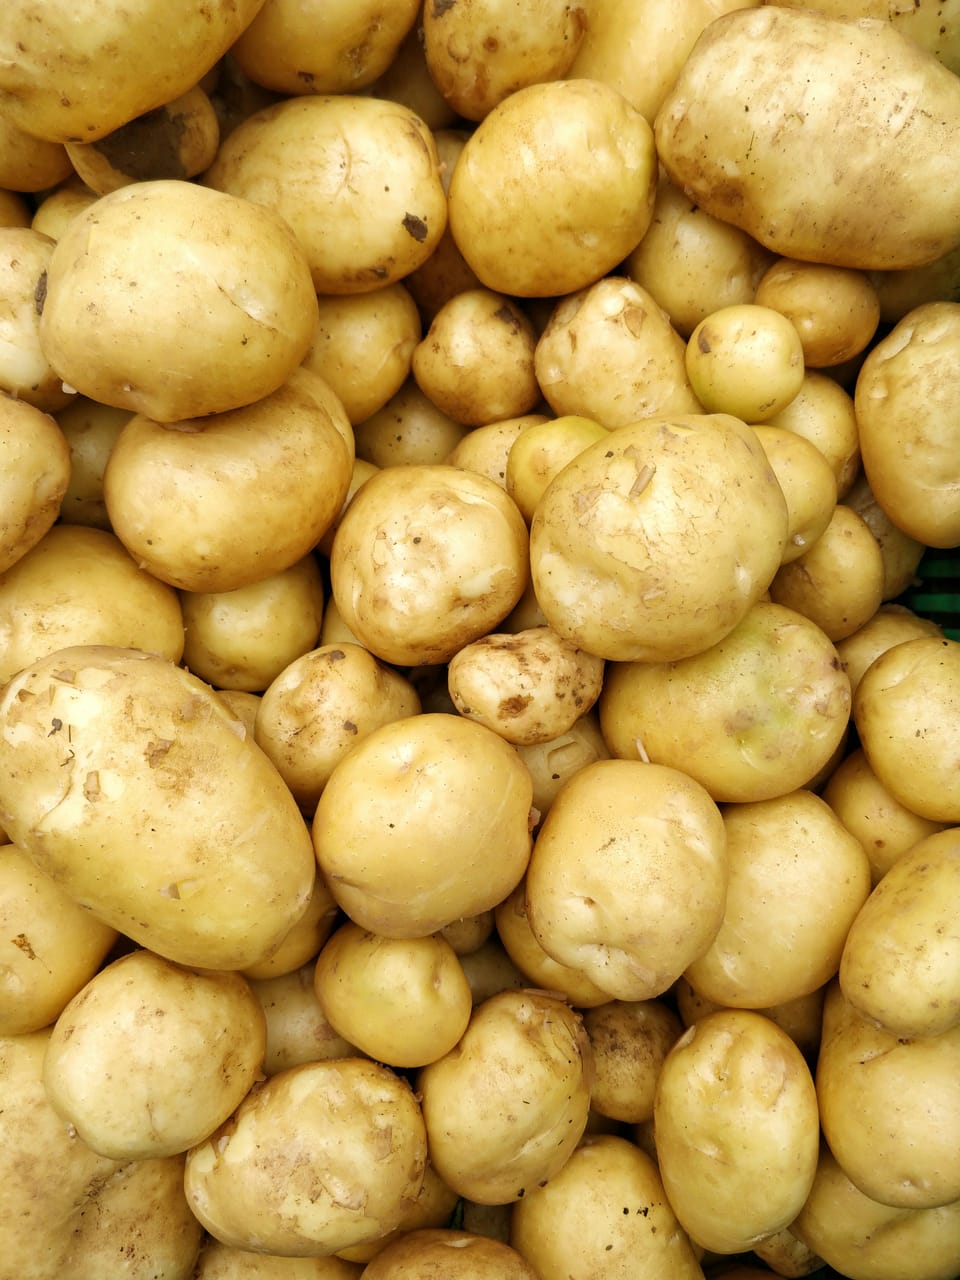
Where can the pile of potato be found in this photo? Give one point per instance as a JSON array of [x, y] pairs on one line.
[[471, 802]]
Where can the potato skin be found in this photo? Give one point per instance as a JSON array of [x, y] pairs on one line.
[[816, 116], [129, 782], [34, 475]]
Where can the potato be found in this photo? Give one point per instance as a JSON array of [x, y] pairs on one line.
[[200, 851], [539, 453], [154, 255], [91, 430], [409, 428], [495, 1134], [475, 362], [485, 449], [14, 210], [363, 347], [58, 83], [529, 687], [898, 967], [890, 625], [866, 1240], [890, 1107], [356, 178], [149, 1057], [404, 1002], [792, 126], [867, 809], [471, 932], [746, 360], [905, 400], [630, 1039], [628, 876], [610, 353], [653, 544], [243, 639], [388, 872], [797, 879], [425, 560], [736, 1107], [34, 474], [338, 48], [808, 483], [900, 553], [905, 711], [81, 586], [479, 52], [177, 140], [786, 1255], [837, 582], [835, 310], [297, 1030], [538, 968], [67, 1213], [239, 495], [25, 370], [320, 706], [753, 717], [433, 1208], [799, 1018], [604, 1215], [453, 1254], [301, 942], [51, 948], [823, 413], [520, 213], [691, 263], [223, 1262], [57, 209], [29, 163], [551, 763], [490, 970], [935, 29], [319, 1158]]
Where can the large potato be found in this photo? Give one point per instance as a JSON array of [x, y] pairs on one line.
[[171, 259], [794, 127], [67, 1213], [735, 1109], [149, 1058], [34, 474], [520, 212], [73, 75], [653, 543], [138, 792], [321, 1157]]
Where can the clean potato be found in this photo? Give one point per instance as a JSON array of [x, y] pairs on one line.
[[793, 126], [652, 544], [319, 1158], [28, 164], [899, 965], [172, 258], [224, 1262], [891, 624], [835, 310], [149, 1057], [453, 1254], [25, 370], [34, 475], [808, 483], [551, 763], [900, 553], [746, 360], [823, 412], [128, 781], [296, 1028], [541, 451], [409, 428], [91, 431]]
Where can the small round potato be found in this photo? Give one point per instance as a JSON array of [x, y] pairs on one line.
[[746, 360], [427, 559], [652, 544], [735, 1108], [452, 1254], [51, 946], [29, 163], [628, 876], [81, 586], [520, 212], [604, 1214], [301, 942], [34, 475], [899, 965], [392, 873], [217, 503], [906, 713], [529, 686], [551, 763], [797, 879], [823, 413], [321, 1157], [432, 1209], [901, 554], [356, 178], [149, 1058], [800, 1018], [60, 206], [320, 706], [297, 1030], [409, 428], [485, 450], [91, 430], [404, 1002], [890, 1107], [609, 353], [495, 1134], [172, 259], [539, 453], [808, 483], [475, 362], [630, 1040], [835, 310], [891, 624], [25, 369], [243, 639], [755, 716]]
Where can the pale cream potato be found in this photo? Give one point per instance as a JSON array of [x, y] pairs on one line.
[[304, 939], [539, 453], [835, 310], [901, 554], [800, 1018], [822, 412], [891, 624], [409, 428], [59, 207], [454, 1254], [746, 360], [25, 369], [91, 431], [808, 483], [551, 763], [538, 968], [486, 449], [432, 1209], [34, 475], [297, 1030]]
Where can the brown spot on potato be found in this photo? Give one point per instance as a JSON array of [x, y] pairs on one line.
[[415, 227]]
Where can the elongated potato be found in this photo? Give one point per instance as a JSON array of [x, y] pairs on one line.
[[795, 127], [130, 783]]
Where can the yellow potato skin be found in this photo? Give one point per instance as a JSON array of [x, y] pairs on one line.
[[129, 782]]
